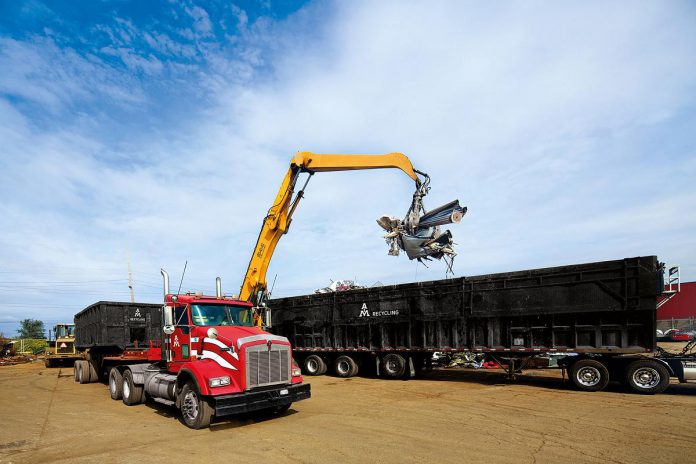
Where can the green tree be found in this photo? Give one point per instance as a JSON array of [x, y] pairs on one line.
[[31, 328]]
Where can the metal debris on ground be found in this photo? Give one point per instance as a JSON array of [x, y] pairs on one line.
[[419, 234], [339, 286]]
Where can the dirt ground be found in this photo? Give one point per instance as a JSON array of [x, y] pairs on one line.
[[451, 416]]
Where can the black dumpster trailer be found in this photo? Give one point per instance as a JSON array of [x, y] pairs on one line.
[[599, 320]]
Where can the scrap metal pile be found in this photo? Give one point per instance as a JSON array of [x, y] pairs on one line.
[[419, 234], [339, 286]]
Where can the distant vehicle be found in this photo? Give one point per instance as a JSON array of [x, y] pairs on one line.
[[680, 337], [675, 335], [61, 349]]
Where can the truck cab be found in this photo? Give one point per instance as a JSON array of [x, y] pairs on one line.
[[214, 361]]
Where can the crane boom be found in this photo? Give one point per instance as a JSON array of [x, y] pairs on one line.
[[277, 220]]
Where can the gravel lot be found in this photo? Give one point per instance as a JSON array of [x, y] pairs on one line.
[[451, 416]]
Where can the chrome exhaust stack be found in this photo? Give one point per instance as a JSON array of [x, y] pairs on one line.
[[166, 282], [218, 287]]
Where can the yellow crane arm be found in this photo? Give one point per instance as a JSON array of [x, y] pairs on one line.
[[277, 221]]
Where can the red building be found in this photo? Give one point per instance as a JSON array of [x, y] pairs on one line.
[[680, 311]]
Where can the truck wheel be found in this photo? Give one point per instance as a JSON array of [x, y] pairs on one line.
[[647, 377], [83, 372], [589, 375], [393, 366], [195, 409], [314, 365], [115, 384], [345, 366], [132, 394]]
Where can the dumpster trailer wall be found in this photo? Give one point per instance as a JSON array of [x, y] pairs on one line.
[[601, 307]]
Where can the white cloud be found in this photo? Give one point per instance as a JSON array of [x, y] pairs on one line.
[[560, 126]]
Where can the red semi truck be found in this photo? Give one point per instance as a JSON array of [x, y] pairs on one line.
[[202, 354]]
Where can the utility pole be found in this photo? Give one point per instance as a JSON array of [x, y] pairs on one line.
[[130, 278]]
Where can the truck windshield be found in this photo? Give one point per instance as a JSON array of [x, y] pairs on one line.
[[204, 314]]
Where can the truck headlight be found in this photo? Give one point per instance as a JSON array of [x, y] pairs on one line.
[[296, 372], [219, 381]]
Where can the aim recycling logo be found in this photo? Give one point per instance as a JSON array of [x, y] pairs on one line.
[[364, 312], [137, 316]]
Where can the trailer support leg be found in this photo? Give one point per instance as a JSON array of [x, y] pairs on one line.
[[411, 368]]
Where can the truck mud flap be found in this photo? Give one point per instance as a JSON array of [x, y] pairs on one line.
[[253, 401]]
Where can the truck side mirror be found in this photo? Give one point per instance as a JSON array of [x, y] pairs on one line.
[[168, 326]]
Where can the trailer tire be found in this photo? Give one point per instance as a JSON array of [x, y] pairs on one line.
[[115, 384], [647, 377], [393, 366], [345, 366], [589, 375], [93, 374], [314, 365], [83, 372], [196, 411], [75, 364], [132, 394]]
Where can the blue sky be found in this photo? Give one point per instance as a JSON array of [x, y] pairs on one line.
[[161, 131]]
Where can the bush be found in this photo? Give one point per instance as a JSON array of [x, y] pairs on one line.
[[33, 346]]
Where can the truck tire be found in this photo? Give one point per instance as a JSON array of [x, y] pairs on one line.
[[647, 377], [75, 364], [83, 372], [393, 366], [589, 375], [345, 366], [314, 365], [132, 394], [196, 411], [115, 384]]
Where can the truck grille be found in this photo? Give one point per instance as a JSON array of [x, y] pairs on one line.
[[267, 367]]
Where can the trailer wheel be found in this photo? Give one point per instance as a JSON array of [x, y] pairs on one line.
[[83, 372], [647, 377], [93, 374], [115, 384], [589, 375], [196, 411], [75, 372], [345, 366], [393, 366], [314, 365], [132, 394]]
